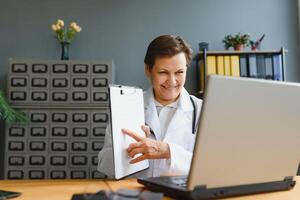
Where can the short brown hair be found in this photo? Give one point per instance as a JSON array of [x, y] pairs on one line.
[[167, 46]]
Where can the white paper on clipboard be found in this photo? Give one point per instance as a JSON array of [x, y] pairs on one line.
[[127, 111]]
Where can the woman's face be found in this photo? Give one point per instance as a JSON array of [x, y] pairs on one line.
[[167, 77]]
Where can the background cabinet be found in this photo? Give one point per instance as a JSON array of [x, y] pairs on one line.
[[67, 104]]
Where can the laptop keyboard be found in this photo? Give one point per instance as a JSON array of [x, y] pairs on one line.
[[180, 181]]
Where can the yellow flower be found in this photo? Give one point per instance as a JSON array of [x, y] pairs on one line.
[[64, 34], [60, 23]]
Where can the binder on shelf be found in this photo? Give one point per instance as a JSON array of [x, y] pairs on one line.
[[220, 65], [211, 65], [227, 70], [269, 67], [252, 66], [243, 66], [277, 67], [260, 65], [235, 66], [127, 111]]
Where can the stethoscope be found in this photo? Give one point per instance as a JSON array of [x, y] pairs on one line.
[[194, 116]]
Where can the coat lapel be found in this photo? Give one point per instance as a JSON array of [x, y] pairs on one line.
[[151, 117]]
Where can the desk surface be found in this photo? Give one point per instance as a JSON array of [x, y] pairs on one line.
[[63, 189]]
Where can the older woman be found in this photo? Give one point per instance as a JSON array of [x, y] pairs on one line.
[[170, 113]]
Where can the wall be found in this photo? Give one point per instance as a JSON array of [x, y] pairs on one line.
[[121, 30]]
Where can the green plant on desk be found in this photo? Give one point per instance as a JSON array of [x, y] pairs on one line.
[[8, 114]]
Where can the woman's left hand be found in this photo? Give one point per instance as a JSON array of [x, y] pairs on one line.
[[149, 148]]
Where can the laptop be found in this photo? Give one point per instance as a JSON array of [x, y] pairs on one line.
[[247, 141]]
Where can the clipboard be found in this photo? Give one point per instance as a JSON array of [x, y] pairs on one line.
[[126, 111]]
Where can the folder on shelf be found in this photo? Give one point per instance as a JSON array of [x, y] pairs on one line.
[[252, 66], [243, 66], [220, 65], [260, 66], [269, 67], [235, 66], [227, 70], [127, 111], [211, 66], [277, 67]]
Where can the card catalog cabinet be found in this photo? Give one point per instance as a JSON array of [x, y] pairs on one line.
[[67, 105]]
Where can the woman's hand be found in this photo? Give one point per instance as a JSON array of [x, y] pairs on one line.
[[149, 148]]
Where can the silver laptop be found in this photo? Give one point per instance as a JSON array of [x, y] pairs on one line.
[[248, 141]]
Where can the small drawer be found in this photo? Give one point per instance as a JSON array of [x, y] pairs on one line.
[[58, 174], [94, 159], [38, 117], [18, 82], [80, 96], [39, 96], [16, 146], [80, 131], [37, 146], [19, 68], [79, 160], [59, 131], [59, 146], [37, 174], [99, 117], [14, 160], [37, 160], [59, 97], [39, 131], [39, 82], [58, 83], [79, 174], [99, 82], [18, 96], [80, 69], [98, 132], [15, 174], [16, 131], [78, 82], [97, 145], [100, 68], [59, 117], [40, 68], [79, 146], [60, 68], [99, 97], [58, 160], [80, 117]]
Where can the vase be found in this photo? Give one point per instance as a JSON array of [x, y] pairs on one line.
[[238, 47], [65, 50]]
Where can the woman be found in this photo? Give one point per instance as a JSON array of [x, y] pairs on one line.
[[170, 113]]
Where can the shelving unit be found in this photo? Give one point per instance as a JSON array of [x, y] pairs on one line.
[[255, 64]]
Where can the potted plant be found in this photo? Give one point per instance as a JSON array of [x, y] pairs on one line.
[[8, 114], [237, 41]]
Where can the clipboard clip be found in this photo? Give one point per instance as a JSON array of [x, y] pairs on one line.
[[124, 89]]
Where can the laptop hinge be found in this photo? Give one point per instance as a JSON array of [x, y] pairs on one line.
[[290, 181]]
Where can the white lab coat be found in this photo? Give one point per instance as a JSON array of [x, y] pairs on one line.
[[178, 135]]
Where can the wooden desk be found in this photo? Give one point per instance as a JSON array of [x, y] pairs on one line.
[[63, 189]]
